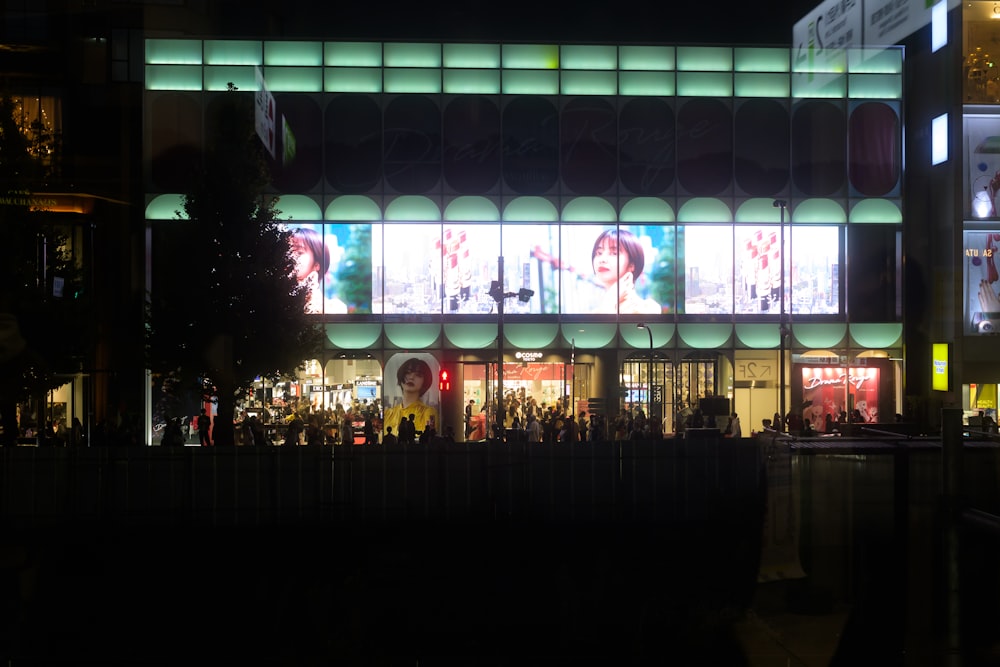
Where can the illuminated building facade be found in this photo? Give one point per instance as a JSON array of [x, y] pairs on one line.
[[743, 206]]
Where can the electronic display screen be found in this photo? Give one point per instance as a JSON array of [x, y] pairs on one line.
[[574, 268], [982, 282], [609, 269]]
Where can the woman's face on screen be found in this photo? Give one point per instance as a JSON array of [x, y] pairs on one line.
[[610, 264]]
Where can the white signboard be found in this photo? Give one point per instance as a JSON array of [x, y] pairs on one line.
[[263, 115]]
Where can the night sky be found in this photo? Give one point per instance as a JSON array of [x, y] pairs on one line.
[[520, 20]]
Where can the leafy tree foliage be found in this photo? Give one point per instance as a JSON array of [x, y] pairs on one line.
[[43, 307], [225, 307]]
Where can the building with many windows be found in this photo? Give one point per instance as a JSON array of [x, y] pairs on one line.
[[625, 226]]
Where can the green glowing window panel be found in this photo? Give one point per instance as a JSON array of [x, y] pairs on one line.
[[293, 54], [759, 209], [662, 332], [218, 77], [412, 55], [233, 52], [651, 58], [758, 335], [705, 84], [294, 79], [352, 54], [530, 56], [876, 211], [531, 335], [589, 57], [472, 81], [530, 209], [472, 209], [173, 51], [354, 335], [705, 336], [646, 209], [473, 56], [173, 77], [761, 60], [823, 211], [876, 335], [646, 83], [352, 80], [589, 209], [411, 80], [820, 86], [297, 207], [705, 58], [760, 84], [704, 209], [875, 61], [470, 335], [589, 83], [527, 82], [875, 86], [832, 62], [591, 334], [353, 208], [412, 208], [413, 335], [818, 335], [166, 207]]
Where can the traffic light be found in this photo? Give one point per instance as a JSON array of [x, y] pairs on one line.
[[444, 380]]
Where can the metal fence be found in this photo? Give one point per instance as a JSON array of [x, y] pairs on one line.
[[666, 480]]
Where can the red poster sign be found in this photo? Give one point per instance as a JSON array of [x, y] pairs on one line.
[[825, 391]]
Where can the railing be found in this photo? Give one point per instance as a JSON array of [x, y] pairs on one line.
[[667, 480]]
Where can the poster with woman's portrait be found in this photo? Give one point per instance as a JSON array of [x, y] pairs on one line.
[[410, 388]]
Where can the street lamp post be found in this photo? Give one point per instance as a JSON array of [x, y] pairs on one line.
[[649, 371], [781, 205], [499, 295]]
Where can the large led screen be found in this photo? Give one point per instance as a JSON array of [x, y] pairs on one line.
[[333, 262], [531, 263], [707, 265], [738, 269], [982, 280], [814, 282], [608, 269], [430, 268]]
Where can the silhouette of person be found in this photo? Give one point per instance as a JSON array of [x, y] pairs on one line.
[[204, 426], [390, 439]]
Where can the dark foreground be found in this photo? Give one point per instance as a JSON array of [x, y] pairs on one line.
[[379, 594]]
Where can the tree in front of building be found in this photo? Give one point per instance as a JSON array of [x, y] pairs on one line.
[[225, 307], [43, 307]]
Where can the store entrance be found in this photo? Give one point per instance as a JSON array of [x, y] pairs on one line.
[[528, 388]]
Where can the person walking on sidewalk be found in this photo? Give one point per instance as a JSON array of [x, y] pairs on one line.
[[204, 425]]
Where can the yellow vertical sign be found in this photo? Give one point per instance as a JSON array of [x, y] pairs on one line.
[[940, 380]]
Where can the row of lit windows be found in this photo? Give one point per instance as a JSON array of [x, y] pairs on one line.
[[516, 69]]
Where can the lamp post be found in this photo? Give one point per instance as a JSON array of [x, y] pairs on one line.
[[497, 293], [781, 205], [649, 372]]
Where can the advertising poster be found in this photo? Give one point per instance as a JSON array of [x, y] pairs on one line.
[[333, 262], [607, 269], [982, 282], [829, 390], [411, 388]]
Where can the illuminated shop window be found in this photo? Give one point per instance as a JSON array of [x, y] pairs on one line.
[[40, 121]]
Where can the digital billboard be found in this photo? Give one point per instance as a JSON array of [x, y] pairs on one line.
[[982, 304], [333, 262]]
